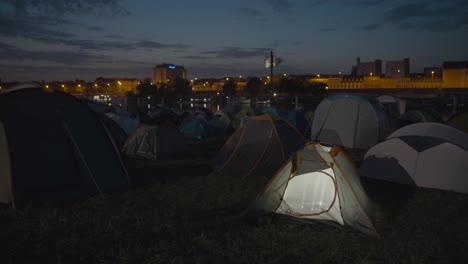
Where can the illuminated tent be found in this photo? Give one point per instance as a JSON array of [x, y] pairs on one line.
[[259, 147], [319, 183], [53, 146], [428, 155], [351, 121]]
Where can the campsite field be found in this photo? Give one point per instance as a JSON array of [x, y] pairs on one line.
[[178, 212]]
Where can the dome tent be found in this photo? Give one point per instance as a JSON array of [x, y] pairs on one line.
[[430, 155], [414, 116], [459, 121], [394, 105], [53, 146], [259, 147], [351, 121], [156, 142], [319, 183]]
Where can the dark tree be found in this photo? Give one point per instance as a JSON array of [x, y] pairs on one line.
[[253, 87], [229, 87], [182, 89], [316, 88], [291, 86], [147, 88]]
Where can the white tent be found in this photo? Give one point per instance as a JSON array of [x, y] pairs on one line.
[[156, 142], [318, 183], [351, 121], [393, 102], [428, 155]]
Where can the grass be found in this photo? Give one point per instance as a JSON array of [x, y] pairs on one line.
[[178, 212]]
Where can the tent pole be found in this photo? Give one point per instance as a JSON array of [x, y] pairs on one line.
[[81, 156]]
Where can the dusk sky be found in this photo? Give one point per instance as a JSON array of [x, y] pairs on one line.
[[84, 39]]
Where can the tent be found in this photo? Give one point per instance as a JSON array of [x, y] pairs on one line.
[[118, 134], [351, 121], [414, 116], [53, 146], [221, 119], [459, 121], [156, 142], [258, 147], [395, 106], [295, 116], [128, 122], [431, 155], [244, 114], [319, 183], [116, 131], [160, 115]]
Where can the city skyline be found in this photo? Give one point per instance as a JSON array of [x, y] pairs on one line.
[[63, 40]]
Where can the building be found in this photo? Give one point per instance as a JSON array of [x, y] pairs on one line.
[[433, 72], [455, 74], [116, 85], [397, 69], [373, 68], [168, 73]]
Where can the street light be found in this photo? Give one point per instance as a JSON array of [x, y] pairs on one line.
[[432, 75]]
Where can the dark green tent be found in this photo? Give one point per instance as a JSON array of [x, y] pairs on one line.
[[53, 146]]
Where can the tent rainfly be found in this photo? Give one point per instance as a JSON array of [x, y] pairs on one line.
[[431, 155], [319, 183], [53, 146], [258, 147], [351, 121], [156, 142]]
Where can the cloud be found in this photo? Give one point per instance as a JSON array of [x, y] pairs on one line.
[[360, 3], [29, 28], [371, 27], [12, 53], [57, 72], [249, 11], [235, 52], [429, 15], [39, 20], [59, 8], [158, 45], [279, 5], [194, 57], [326, 29], [368, 2]]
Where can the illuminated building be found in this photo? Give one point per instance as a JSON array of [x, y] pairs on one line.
[[168, 73]]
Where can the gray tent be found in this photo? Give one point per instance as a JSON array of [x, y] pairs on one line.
[[53, 146], [258, 147], [459, 121], [351, 121], [156, 142], [430, 155], [319, 183]]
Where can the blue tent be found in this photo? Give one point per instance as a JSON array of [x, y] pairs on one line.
[[296, 117]]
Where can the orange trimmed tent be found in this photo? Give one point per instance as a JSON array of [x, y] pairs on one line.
[[319, 183], [258, 147]]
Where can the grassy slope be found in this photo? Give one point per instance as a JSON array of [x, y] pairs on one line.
[[177, 212]]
